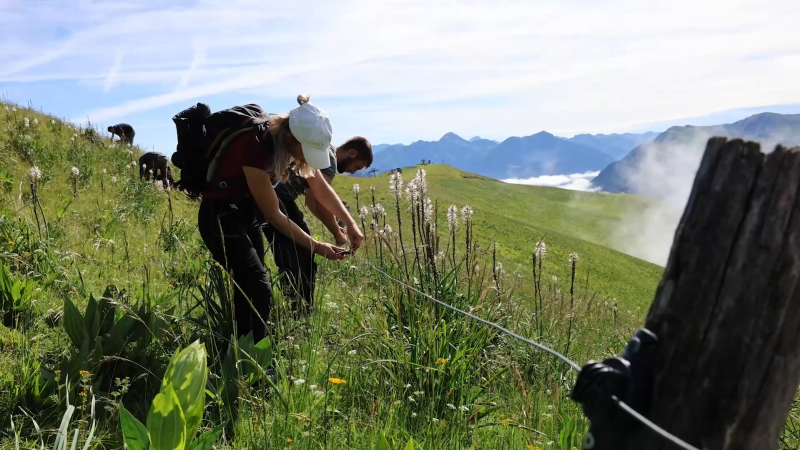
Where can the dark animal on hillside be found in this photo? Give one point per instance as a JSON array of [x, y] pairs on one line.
[[153, 166], [124, 131]]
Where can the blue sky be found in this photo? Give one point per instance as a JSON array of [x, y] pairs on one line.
[[404, 70]]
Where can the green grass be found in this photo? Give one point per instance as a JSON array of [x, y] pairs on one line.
[[516, 217], [410, 369]]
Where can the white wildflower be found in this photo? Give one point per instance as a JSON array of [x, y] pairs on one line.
[[35, 174], [26, 122], [53, 122], [13, 109], [541, 250], [396, 185], [573, 257], [411, 399], [428, 211], [419, 393], [412, 192], [318, 393], [435, 420], [372, 188], [133, 163], [378, 211], [363, 212], [413, 414], [452, 217], [333, 305], [159, 184], [555, 279], [104, 171], [113, 179], [466, 214], [356, 188], [407, 386], [299, 381], [464, 408], [75, 172], [352, 352], [451, 406], [313, 387], [387, 229], [6, 108], [35, 122]]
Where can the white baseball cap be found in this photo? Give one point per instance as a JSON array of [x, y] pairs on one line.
[[311, 127]]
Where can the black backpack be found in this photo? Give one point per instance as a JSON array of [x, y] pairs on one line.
[[203, 139]]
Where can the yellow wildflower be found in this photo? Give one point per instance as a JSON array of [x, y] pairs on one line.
[[83, 394], [337, 381], [611, 349], [84, 372], [505, 422], [441, 361], [10, 242], [289, 440], [532, 447]]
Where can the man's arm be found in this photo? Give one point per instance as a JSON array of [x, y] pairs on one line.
[[324, 215]]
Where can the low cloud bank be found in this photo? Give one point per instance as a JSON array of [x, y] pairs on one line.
[[575, 181]]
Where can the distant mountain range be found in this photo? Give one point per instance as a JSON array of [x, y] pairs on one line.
[[655, 168], [515, 157]]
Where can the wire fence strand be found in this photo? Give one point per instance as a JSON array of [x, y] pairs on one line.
[[574, 366]]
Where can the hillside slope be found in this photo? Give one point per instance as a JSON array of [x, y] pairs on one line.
[[517, 216]]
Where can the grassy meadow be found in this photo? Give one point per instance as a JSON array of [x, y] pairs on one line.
[[103, 278]]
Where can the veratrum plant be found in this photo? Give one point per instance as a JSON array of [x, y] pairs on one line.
[[105, 331], [177, 410]]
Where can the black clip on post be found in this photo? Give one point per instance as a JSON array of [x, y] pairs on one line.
[[629, 377]]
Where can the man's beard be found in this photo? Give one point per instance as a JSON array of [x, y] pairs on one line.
[[344, 166]]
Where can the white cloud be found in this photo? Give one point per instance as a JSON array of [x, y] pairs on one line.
[[575, 182], [113, 73], [404, 70]]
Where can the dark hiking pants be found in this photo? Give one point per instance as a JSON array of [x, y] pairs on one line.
[[296, 266], [234, 237]]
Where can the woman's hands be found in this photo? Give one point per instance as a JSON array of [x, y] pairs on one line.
[[330, 251]]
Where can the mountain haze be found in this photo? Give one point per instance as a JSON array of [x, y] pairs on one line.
[[675, 153], [614, 145]]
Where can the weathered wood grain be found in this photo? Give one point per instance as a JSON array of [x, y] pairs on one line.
[[727, 311]]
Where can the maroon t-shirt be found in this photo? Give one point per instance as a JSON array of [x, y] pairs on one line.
[[245, 150]]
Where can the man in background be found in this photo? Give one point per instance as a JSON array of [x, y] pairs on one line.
[[295, 264], [124, 131]]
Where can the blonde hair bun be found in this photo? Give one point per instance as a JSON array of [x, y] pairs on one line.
[[303, 99]]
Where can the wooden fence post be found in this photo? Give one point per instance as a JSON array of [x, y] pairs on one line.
[[727, 311]]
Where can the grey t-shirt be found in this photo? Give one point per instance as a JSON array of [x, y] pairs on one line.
[[297, 185]]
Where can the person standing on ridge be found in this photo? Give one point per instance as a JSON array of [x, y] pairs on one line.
[[298, 268], [241, 194], [124, 131]]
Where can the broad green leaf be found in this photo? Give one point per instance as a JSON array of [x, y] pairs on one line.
[[133, 432], [206, 440], [119, 335], [74, 324], [92, 318], [383, 444], [262, 353], [187, 375], [410, 445], [166, 424]]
